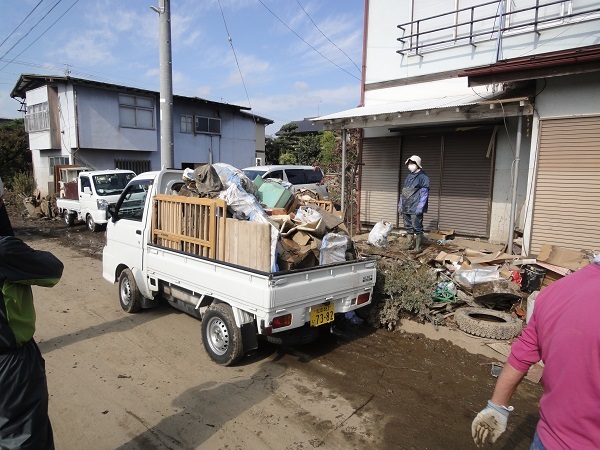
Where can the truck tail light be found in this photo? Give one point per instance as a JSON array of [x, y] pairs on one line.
[[282, 321], [363, 298]]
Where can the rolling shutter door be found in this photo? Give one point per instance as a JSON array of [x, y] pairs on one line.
[[379, 180], [466, 183], [428, 148], [566, 209]]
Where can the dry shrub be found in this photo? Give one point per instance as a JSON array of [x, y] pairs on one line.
[[402, 288]]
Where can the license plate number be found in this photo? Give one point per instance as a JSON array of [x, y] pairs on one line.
[[321, 315]]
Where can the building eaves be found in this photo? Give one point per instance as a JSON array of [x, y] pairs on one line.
[[565, 62], [27, 82]]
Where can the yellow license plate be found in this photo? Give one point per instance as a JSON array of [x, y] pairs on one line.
[[321, 315]]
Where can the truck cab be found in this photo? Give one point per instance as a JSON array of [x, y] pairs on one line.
[[86, 194]]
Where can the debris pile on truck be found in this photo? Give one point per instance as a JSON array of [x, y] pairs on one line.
[[218, 212]]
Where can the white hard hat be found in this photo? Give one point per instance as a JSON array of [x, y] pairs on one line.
[[416, 160]]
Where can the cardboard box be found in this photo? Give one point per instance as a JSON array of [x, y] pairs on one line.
[[563, 257], [437, 235]]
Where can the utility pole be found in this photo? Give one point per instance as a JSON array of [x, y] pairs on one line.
[[166, 82]]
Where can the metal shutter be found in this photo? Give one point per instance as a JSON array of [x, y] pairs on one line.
[[429, 149], [566, 209], [466, 183], [379, 180], [459, 177]]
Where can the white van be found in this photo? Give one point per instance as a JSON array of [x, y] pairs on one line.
[[300, 177]]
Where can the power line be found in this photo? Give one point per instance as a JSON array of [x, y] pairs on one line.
[[303, 40], [31, 29], [236, 58], [44, 32], [316, 26], [22, 21]]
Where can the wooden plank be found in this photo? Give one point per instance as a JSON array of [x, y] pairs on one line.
[[248, 244]]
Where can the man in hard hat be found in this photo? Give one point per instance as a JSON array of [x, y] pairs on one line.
[[564, 332], [413, 202]]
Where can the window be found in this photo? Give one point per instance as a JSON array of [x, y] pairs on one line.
[[314, 176], [296, 176], [85, 183], [208, 125], [111, 184], [131, 203], [37, 117], [278, 174], [57, 161], [186, 124], [136, 112]]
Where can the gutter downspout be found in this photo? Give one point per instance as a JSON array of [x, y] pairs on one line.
[[76, 112], [362, 103], [513, 203]]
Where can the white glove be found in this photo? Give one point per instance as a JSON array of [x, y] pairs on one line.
[[490, 423]]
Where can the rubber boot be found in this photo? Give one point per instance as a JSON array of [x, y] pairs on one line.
[[417, 244], [410, 242]]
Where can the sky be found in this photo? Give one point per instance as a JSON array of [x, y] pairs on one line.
[[287, 59]]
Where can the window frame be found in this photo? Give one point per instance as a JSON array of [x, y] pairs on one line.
[[191, 123], [137, 108], [209, 121], [64, 161]]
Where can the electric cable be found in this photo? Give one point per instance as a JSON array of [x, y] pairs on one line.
[[31, 29], [325, 36], [303, 40], [22, 21], [44, 32], [236, 60]]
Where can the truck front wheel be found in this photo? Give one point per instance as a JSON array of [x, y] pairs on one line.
[[221, 337], [92, 226], [129, 294]]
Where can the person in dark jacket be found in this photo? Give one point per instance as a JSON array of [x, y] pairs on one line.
[[5, 226], [414, 201], [24, 422]]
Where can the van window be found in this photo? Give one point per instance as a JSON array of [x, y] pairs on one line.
[[275, 174], [314, 176], [296, 176]]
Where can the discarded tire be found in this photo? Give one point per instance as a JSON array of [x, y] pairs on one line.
[[487, 323]]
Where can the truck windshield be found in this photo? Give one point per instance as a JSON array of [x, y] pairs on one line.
[[252, 174], [111, 183]]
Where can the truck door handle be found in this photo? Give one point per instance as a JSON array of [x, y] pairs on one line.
[[138, 231]]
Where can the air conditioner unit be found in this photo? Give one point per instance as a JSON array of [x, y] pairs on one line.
[[258, 162]]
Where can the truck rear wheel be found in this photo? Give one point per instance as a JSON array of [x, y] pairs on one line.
[[221, 336], [129, 294], [69, 218]]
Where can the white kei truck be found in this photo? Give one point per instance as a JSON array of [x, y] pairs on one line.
[[185, 250], [85, 194]]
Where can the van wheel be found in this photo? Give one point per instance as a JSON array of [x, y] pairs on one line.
[[221, 336], [92, 226], [129, 294], [69, 218]]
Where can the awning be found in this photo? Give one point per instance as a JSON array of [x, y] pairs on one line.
[[448, 109]]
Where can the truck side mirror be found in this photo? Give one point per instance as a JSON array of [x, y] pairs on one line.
[[112, 212], [87, 190]]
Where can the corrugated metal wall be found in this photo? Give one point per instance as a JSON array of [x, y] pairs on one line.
[[379, 180], [460, 177], [566, 209]]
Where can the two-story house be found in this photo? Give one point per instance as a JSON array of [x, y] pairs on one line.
[[106, 126], [500, 99]]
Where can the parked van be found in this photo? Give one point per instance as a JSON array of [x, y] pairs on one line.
[[300, 177]]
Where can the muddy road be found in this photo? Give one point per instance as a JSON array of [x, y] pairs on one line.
[[143, 381]]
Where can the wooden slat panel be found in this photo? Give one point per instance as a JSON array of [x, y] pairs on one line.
[[248, 244], [566, 210]]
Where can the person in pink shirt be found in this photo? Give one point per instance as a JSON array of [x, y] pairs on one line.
[[564, 332]]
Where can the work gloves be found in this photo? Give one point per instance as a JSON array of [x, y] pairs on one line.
[[490, 423]]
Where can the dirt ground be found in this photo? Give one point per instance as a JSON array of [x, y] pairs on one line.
[[143, 381]]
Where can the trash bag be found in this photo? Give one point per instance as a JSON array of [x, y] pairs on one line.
[[333, 248], [243, 205], [230, 175], [379, 234], [310, 220], [478, 274], [207, 181]]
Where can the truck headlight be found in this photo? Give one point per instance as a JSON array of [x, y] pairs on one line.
[[102, 204]]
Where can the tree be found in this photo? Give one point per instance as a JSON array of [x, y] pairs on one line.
[[15, 156]]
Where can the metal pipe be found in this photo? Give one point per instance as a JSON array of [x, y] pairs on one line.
[[513, 203], [343, 199]]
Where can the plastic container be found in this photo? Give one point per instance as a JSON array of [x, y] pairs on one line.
[[532, 278]]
